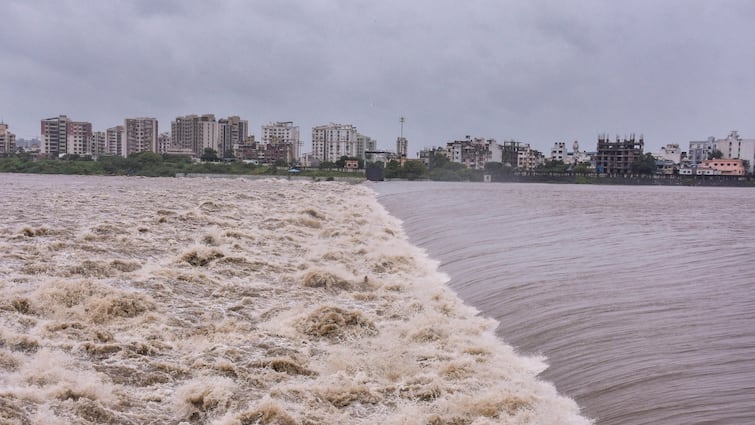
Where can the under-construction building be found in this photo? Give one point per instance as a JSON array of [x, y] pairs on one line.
[[617, 157]]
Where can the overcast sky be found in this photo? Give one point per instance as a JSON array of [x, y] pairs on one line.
[[532, 71]]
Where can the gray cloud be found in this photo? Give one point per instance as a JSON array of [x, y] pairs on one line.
[[539, 71]]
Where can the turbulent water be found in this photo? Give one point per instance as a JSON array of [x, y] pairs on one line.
[[230, 301], [641, 298]]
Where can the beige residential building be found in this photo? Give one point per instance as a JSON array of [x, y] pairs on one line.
[[79, 138], [232, 131], [99, 143], [116, 141], [61, 136], [163, 143], [7, 140], [140, 135], [194, 133]]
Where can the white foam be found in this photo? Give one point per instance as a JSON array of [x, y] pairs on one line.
[[234, 301]]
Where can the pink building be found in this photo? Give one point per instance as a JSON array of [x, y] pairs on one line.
[[727, 166]]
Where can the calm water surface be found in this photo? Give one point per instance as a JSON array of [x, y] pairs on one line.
[[641, 298]]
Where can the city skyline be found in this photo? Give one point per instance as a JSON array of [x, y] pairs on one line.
[[535, 72]]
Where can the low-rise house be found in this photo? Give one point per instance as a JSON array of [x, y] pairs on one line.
[[726, 166]]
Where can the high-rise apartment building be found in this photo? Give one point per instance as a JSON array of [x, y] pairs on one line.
[[54, 135], [116, 141], [99, 143], [140, 135], [232, 131], [195, 133], [61, 136], [332, 141], [79, 138], [163, 143], [7, 140], [282, 132], [365, 144]]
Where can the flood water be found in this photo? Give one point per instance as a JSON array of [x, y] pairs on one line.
[[642, 299], [238, 302]]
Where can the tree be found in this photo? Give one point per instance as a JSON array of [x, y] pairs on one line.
[[715, 154], [209, 154], [644, 164], [439, 160], [393, 170], [414, 169]]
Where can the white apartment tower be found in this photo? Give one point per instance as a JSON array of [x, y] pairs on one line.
[[7, 139], [735, 147], [140, 134], [332, 141], [282, 132]]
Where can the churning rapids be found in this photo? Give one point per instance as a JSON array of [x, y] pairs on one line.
[[231, 301]]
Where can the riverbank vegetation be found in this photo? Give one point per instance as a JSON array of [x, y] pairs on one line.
[[440, 168]]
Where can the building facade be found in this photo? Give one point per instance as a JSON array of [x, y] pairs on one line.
[[62, 136], [54, 133], [7, 140], [671, 152], [141, 135], [474, 152], [617, 157], [163, 143], [116, 141], [559, 152], [194, 133], [282, 132], [725, 166], [365, 144], [79, 138], [699, 150], [232, 131], [99, 143], [332, 141], [402, 147], [735, 147]]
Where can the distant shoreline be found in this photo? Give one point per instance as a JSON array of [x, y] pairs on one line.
[[593, 179]]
